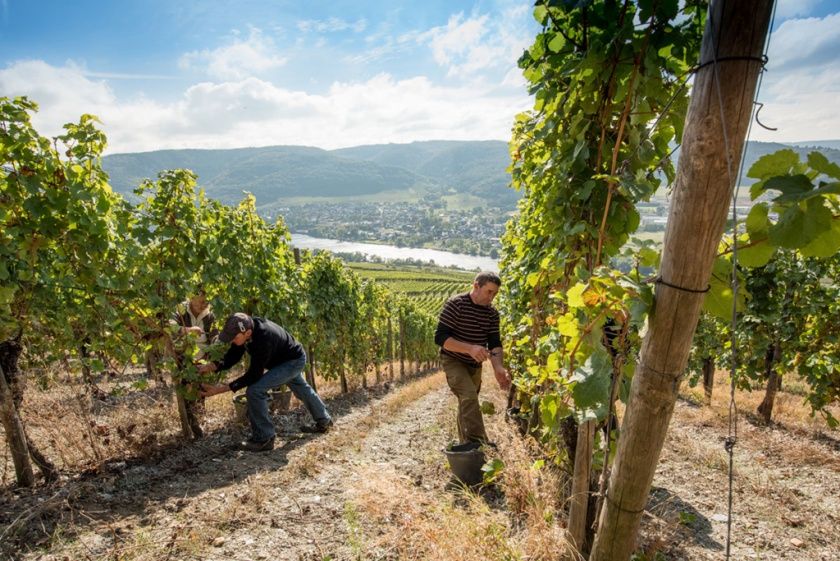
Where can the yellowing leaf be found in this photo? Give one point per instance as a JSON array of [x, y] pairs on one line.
[[567, 325], [575, 296]]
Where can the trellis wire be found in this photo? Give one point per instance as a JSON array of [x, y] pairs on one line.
[[732, 437]]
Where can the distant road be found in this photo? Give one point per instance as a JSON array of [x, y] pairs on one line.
[[444, 258]]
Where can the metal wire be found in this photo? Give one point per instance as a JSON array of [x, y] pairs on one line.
[[732, 437]]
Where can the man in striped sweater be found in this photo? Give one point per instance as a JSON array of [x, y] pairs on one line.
[[468, 334]]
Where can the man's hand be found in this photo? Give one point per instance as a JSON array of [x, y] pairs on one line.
[[503, 378], [197, 330], [212, 389], [206, 368], [479, 353]]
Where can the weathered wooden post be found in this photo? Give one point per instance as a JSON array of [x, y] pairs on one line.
[[402, 345], [342, 375], [721, 107], [579, 500], [15, 434], [390, 349], [708, 378]]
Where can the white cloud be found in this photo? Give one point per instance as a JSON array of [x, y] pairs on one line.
[[457, 39], [62, 93], [805, 42], [331, 25], [255, 112], [791, 8], [238, 60], [802, 104], [466, 46], [800, 89]]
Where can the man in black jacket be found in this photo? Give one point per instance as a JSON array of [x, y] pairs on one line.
[[276, 359]]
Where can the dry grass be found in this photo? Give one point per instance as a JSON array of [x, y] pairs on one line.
[[417, 525], [792, 420], [532, 498], [790, 408], [520, 517], [533, 491], [78, 432]]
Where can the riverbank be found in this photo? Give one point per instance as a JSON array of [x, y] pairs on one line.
[[389, 252]]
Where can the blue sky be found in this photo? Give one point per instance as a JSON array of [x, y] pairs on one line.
[[213, 73]]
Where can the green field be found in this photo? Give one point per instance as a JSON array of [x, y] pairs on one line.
[[428, 287]]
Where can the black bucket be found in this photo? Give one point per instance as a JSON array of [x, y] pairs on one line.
[[465, 461], [280, 399], [240, 408]]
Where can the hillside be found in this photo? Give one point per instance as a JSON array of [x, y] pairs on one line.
[[821, 144], [295, 174], [477, 168], [755, 150], [279, 173], [427, 287], [269, 173]]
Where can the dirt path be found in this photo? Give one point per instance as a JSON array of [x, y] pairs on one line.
[[376, 487], [310, 517], [207, 501]]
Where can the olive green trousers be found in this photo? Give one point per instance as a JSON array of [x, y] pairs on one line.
[[465, 383]]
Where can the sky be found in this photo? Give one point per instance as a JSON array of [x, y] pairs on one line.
[[224, 73]]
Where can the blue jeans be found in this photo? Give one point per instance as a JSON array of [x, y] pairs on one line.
[[289, 373]]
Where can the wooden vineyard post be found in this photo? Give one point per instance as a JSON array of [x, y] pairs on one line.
[[342, 374], [579, 500], [708, 377], [402, 346], [734, 36], [183, 415], [15, 434], [390, 349], [771, 360]]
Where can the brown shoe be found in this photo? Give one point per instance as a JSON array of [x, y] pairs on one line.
[[257, 446]]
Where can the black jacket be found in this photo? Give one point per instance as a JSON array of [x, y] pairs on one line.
[[269, 346]]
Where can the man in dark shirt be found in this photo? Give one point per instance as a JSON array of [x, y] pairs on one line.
[[276, 359], [468, 334]]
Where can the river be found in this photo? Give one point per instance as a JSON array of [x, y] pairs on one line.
[[443, 258]]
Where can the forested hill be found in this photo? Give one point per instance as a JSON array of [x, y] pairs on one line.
[[278, 173], [474, 167], [282, 172], [269, 173], [755, 150]]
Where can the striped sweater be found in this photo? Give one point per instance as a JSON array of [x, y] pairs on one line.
[[469, 323]]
